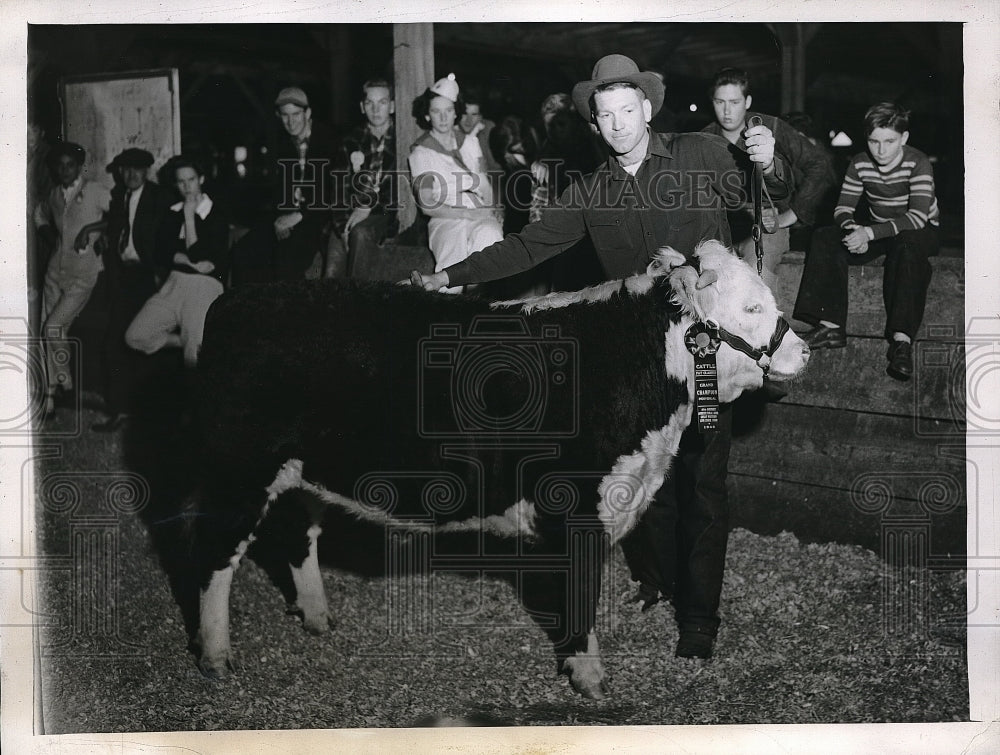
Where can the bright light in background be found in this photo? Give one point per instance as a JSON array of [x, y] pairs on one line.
[[841, 140], [241, 170], [693, 108], [832, 134], [263, 150], [240, 155]]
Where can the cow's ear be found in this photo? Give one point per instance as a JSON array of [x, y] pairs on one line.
[[667, 258], [684, 282]]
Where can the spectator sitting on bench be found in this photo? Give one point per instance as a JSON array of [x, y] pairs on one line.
[[898, 184], [449, 179], [369, 152], [193, 242]]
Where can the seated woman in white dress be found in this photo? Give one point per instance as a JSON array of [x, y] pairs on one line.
[[449, 179]]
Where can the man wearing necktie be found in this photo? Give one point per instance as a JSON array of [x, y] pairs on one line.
[[284, 245], [138, 207]]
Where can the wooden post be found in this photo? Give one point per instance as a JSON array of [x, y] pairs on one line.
[[793, 37], [413, 60], [342, 100]]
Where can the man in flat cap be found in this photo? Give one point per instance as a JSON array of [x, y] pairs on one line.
[[653, 190], [285, 245], [71, 220], [138, 207]]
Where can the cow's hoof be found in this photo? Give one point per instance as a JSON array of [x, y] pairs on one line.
[[586, 674], [318, 624], [216, 668], [590, 689]]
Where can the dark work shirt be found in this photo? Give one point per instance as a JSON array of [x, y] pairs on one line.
[[809, 164], [678, 197]]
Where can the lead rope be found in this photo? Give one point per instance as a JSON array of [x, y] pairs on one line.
[[757, 191]]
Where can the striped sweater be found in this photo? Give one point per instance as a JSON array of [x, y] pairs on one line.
[[899, 199]]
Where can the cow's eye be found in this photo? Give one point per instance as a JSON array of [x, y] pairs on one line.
[[753, 309]]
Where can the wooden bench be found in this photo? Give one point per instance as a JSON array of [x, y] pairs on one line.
[[851, 455]]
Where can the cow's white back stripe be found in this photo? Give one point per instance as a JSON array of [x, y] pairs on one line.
[[516, 521]]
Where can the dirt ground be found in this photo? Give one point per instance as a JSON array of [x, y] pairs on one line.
[[811, 633]]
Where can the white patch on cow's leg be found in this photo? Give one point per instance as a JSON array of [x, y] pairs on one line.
[[586, 673], [309, 595], [635, 478], [213, 629]]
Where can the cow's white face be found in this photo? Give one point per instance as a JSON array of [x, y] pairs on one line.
[[729, 293]]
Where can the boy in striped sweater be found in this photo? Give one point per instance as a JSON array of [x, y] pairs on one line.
[[901, 223]]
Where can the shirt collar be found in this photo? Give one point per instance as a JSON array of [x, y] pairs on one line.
[[73, 188], [658, 144], [204, 206]]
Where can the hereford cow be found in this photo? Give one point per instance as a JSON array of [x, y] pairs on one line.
[[427, 412]]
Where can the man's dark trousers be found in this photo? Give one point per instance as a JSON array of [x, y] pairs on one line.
[[130, 284], [905, 279], [679, 546]]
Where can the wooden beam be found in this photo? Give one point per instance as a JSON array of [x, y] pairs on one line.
[[413, 64], [342, 107]]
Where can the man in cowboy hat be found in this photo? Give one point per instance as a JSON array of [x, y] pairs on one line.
[[654, 190], [138, 207]]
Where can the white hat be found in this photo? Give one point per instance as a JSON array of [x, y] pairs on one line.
[[447, 88]]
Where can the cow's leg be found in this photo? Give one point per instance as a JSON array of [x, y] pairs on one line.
[[215, 653], [569, 595], [310, 598], [586, 672], [213, 627], [290, 532]]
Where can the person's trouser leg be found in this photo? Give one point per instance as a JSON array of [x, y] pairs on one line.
[[364, 238], [823, 289], [61, 306], [702, 524], [155, 325], [199, 293], [131, 286], [906, 278]]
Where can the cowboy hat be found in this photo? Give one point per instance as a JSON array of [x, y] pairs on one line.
[[612, 69]]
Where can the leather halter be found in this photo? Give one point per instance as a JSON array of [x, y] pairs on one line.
[[761, 356]]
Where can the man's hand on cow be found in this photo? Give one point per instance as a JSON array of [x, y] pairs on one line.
[[760, 146], [857, 240], [540, 173], [434, 282]]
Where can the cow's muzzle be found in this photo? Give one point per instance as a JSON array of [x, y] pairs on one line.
[[761, 356]]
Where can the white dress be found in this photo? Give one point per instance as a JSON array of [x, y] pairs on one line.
[[449, 184]]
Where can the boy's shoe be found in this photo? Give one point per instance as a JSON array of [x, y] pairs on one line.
[[694, 643], [822, 337], [900, 360]]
